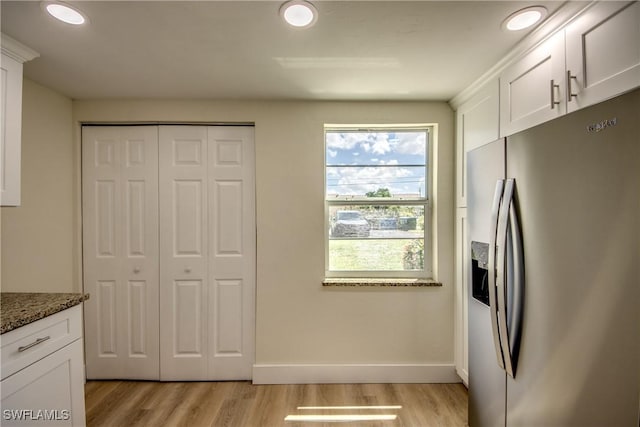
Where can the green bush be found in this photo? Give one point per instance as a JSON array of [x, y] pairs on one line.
[[413, 257]]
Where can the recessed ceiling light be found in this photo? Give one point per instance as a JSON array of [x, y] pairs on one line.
[[524, 18], [64, 12], [299, 13]]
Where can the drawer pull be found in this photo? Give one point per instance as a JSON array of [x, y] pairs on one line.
[[33, 344]]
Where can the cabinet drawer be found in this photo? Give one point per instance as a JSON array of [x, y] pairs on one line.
[[25, 345]]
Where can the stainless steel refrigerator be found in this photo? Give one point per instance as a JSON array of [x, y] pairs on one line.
[[554, 306]]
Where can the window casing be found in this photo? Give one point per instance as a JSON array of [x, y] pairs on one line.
[[377, 201]]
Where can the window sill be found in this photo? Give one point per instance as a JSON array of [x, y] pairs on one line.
[[369, 282]]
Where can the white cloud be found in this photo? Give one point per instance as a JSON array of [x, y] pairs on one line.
[[410, 142], [343, 141], [381, 144], [332, 153]]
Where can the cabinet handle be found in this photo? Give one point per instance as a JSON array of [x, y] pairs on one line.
[[33, 344], [136, 270], [187, 270], [570, 94], [553, 94]]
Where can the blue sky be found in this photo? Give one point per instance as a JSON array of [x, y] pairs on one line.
[[388, 160]]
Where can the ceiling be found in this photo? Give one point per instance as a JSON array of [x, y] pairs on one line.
[[357, 50]]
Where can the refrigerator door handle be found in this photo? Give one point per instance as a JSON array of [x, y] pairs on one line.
[[515, 287], [491, 261], [509, 266]]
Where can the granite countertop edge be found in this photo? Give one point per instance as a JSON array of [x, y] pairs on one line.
[[379, 282], [21, 308]]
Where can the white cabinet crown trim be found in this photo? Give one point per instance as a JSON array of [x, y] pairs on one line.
[[554, 23], [16, 50]]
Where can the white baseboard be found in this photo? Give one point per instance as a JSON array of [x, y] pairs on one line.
[[327, 374], [464, 375]]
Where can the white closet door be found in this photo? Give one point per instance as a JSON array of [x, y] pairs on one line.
[[183, 253], [120, 251], [232, 252]]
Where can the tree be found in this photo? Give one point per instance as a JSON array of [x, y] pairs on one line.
[[380, 192]]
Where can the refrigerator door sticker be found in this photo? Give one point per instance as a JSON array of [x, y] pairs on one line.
[[597, 127]]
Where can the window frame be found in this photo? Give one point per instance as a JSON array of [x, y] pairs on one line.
[[425, 202]]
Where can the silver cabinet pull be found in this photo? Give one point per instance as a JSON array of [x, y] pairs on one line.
[[33, 344], [570, 94], [553, 94]]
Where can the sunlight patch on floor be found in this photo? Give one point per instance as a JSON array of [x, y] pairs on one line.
[[349, 417]]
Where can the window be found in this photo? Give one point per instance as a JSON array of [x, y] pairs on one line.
[[377, 201]]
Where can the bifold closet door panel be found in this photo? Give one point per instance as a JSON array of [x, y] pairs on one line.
[[120, 251], [232, 253], [183, 252]]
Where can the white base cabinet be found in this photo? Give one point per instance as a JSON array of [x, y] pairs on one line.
[[49, 391]]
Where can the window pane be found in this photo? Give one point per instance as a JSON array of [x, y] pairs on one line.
[[376, 238], [376, 148], [401, 182], [376, 254]]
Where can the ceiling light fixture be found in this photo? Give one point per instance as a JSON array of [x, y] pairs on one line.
[[524, 18], [299, 13], [64, 12]]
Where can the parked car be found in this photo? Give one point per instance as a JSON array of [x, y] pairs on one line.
[[349, 224]]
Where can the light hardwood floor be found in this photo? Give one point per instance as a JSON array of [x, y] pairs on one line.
[[241, 404]]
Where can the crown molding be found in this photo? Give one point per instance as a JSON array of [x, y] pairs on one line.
[[554, 23], [16, 50]]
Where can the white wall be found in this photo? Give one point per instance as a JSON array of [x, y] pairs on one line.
[[298, 321], [39, 252]]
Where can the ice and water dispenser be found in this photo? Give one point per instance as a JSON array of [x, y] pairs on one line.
[[480, 272]]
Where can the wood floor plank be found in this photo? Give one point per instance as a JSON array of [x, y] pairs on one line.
[[241, 404]]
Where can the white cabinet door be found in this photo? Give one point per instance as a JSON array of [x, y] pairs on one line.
[[232, 252], [462, 293], [184, 246], [120, 251], [49, 392], [207, 250], [603, 53], [478, 122], [14, 54], [532, 90], [11, 117]]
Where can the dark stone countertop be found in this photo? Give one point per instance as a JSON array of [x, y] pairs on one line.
[[21, 308], [367, 282]]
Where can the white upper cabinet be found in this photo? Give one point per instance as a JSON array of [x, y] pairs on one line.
[[532, 90], [603, 53], [478, 122], [14, 54], [595, 57]]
